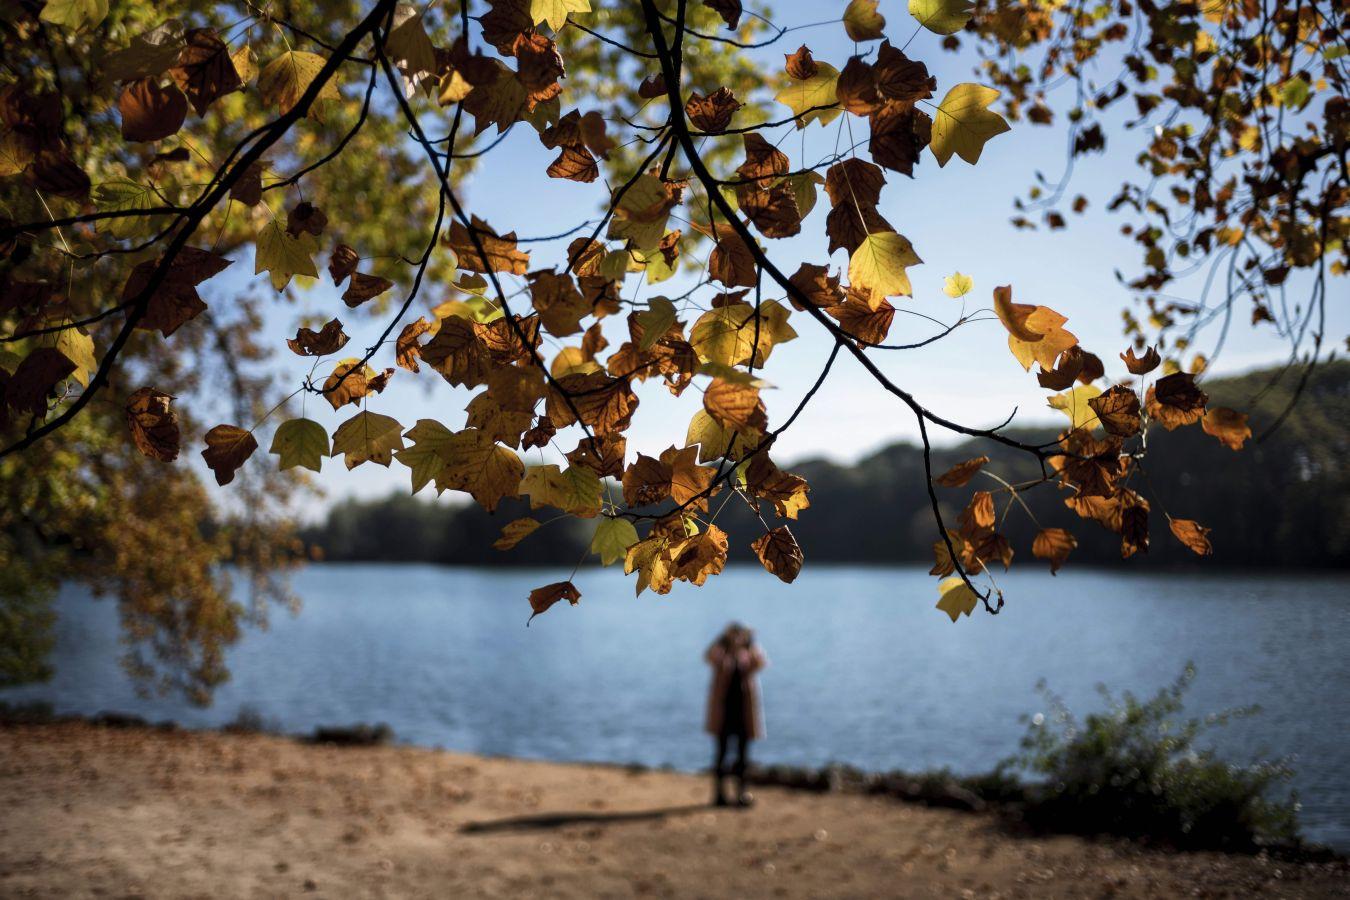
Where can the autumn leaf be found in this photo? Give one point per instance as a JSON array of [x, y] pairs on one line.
[[543, 598], [613, 537], [1117, 410], [712, 114], [716, 441], [729, 10], [368, 437], [1055, 545], [300, 442], [284, 80], [428, 453], [963, 124], [942, 16], [283, 255], [1035, 333], [151, 111], [35, 380], [955, 597], [1228, 425], [655, 320], [1192, 534], [227, 448], [205, 72], [878, 265], [641, 213], [481, 468], [75, 14], [406, 348], [516, 531], [1141, 365], [330, 339], [154, 427], [813, 98], [779, 553], [364, 287], [735, 406], [575, 490], [1076, 403], [862, 22], [1175, 401], [957, 285], [960, 474], [342, 263], [499, 251]]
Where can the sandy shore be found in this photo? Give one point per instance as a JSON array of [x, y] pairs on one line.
[[101, 812]]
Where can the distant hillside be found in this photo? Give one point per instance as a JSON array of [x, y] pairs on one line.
[[1284, 502]]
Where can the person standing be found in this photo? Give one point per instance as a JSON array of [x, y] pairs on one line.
[[733, 714]]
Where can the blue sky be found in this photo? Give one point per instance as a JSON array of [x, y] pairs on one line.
[[957, 218]]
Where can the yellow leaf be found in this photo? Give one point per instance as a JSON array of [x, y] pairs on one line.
[[283, 255], [368, 437], [655, 321], [554, 12], [300, 442], [1074, 404], [428, 454], [878, 265], [726, 334], [942, 16], [576, 490], [956, 597], [480, 467], [515, 532], [958, 285], [963, 123], [285, 79], [862, 21], [75, 13], [613, 537], [804, 96]]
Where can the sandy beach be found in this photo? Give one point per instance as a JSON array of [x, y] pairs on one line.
[[92, 811]]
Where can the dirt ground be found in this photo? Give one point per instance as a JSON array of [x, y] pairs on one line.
[[87, 811]]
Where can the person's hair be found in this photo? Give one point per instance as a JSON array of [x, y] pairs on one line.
[[735, 632]]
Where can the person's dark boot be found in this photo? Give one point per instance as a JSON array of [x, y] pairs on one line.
[[719, 798]]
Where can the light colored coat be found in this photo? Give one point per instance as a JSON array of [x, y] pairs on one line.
[[723, 664]]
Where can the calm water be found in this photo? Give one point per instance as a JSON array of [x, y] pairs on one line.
[[862, 668]]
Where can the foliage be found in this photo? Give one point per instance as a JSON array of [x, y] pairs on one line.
[[144, 157], [1243, 128], [1136, 770]]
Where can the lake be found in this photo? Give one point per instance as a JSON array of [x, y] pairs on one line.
[[862, 668]]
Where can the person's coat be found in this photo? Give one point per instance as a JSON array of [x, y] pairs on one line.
[[723, 664]]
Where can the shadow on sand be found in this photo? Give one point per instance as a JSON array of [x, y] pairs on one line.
[[561, 819]]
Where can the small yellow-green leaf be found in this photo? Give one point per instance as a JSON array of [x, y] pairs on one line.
[[300, 442], [78, 347], [75, 13], [1074, 404], [958, 285], [814, 99], [554, 12], [956, 597], [964, 123], [429, 452], [655, 321], [942, 16], [515, 532], [284, 256], [612, 539]]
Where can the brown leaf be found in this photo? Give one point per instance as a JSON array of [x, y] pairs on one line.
[[227, 448], [55, 172], [731, 261], [1141, 365], [364, 287], [343, 263], [560, 305], [205, 71], [1175, 400], [539, 66], [248, 190], [848, 224], [960, 474], [735, 406], [306, 217], [575, 163], [1118, 411], [854, 181], [543, 598], [899, 133], [1054, 544], [456, 353], [729, 10], [349, 382], [151, 112], [779, 553], [697, 557], [539, 436], [857, 87], [800, 65], [605, 404], [154, 427], [602, 455], [1191, 533], [176, 300], [1133, 530], [35, 379], [406, 348], [329, 339], [1228, 425], [499, 251], [860, 321], [818, 285], [652, 87], [978, 514], [900, 78], [712, 114]]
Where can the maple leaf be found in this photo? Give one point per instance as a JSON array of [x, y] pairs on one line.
[[602, 455], [300, 442], [699, 556], [456, 353], [205, 72], [726, 334], [349, 382], [655, 321], [408, 44], [481, 468], [1055, 545], [716, 441], [428, 453], [787, 492], [1192, 534], [151, 111], [641, 213], [963, 124], [899, 132], [364, 287], [283, 255], [957, 285], [515, 532], [779, 553], [612, 538], [862, 22], [576, 490], [555, 12], [942, 16], [712, 114], [154, 427], [955, 597], [330, 339], [499, 251], [406, 348], [284, 80], [605, 405], [799, 64], [227, 448], [1228, 425], [960, 474], [75, 14], [878, 265], [368, 437], [813, 98], [1117, 410], [729, 10], [1175, 400], [1141, 365], [735, 406], [860, 320], [1035, 333], [176, 300], [543, 598]]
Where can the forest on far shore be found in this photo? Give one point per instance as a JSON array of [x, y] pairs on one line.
[[1282, 502]]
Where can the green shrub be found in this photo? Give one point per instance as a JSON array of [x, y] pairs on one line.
[[1135, 770]]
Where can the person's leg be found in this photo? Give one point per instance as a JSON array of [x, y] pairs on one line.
[[742, 754], [719, 758]]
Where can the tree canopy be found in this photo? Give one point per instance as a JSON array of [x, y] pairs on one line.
[[145, 159]]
